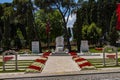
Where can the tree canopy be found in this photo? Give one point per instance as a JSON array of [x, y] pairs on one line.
[[26, 20]]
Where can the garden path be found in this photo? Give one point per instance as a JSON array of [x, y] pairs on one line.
[[60, 64]]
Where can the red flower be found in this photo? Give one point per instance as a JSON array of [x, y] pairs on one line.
[[99, 49], [73, 53], [34, 67], [85, 64], [46, 54], [40, 61], [80, 59], [7, 58]]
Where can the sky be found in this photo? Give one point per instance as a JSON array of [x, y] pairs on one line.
[[3, 1]]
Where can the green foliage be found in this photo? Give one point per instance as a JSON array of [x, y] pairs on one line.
[[113, 33], [55, 24], [65, 8], [113, 36], [100, 13], [93, 50], [91, 33], [20, 13], [84, 32]]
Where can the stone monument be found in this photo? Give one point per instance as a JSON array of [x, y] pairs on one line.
[[35, 46], [84, 46], [59, 44]]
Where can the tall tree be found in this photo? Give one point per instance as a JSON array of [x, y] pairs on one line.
[[20, 21], [54, 23], [82, 19], [105, 10], [30, 23], [65, 8], [6, 18]]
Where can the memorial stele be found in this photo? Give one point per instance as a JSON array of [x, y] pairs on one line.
[[59, 44]]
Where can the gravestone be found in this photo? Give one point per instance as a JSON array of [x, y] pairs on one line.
[[35, 46], [84, 46], [59, 44]]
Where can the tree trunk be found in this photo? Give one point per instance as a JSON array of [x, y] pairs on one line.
[[78, 44], [67, 37]]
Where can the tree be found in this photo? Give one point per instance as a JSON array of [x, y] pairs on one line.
[[30, 22], [54, 22], [92, 33], [82, 19], [92, 8], [105, 10], [65, 8], [6, 18], [55, 25], [40, 21], [1, 23], [24, 19], [113, 33], [20, 20]]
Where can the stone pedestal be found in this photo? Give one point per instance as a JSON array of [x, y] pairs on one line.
[[59, 45], [84, 46]]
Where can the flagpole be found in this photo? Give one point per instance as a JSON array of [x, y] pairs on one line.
[[48, 46], [48, 33]]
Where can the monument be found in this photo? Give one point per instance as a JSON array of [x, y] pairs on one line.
[[59, 44], [35, 46], [84, 46]]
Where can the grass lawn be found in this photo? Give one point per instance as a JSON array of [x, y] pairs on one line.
[[98, 63], [93, 50], [11, 71], [22, 64], [0, 63]]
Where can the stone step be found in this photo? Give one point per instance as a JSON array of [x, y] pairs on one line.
[[60, 54]]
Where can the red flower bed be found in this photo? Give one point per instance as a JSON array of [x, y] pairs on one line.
[[46, 54], [39, 63], [82, 62], [80, 59], [73, 53], [7, 58], [100, 49], [34, 67]]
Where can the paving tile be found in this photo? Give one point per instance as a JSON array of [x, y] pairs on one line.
[[60, 64]]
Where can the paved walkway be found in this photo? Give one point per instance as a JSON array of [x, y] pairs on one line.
[[60, 64], [89, 75]]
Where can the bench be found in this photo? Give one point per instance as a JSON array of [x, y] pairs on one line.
[[111, 56]]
